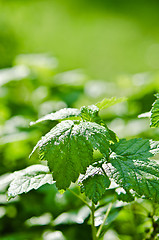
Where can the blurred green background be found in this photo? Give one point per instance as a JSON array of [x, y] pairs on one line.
[[103, 37], [56, 54]]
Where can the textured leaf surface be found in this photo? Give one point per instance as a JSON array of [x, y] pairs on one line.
[[154, 120], [30, 178], [136, 148], [108, 102], [68, 148], [130, 167], [90, 113], [61, 114], [95, 186]]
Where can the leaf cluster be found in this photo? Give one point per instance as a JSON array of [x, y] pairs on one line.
[[69, 149]]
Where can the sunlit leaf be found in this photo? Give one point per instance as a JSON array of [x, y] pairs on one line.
[[68, 148], [89, 113], [61, 114], [30, 178], [108, 102], [131, 168]]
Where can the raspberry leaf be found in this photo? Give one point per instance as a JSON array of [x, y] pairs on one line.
[[131, 168], [68, 148], [61, 114], [108, 102], [30, 178], [95, 186]]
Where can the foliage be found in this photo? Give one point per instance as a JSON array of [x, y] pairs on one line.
[[131, 168], [68, 149], [155, 113], [108, 102], [30, 178], [94, 186], [34, 85], [35, 91]]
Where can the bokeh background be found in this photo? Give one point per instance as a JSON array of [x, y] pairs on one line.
[[56, 54]]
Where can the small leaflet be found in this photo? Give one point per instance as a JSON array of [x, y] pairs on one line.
[[108, 102]]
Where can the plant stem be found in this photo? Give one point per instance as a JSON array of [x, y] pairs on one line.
[[93, 225], [105, 218], [80, 198], [92, 208]]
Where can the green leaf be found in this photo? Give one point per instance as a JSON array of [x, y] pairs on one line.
[[125, 196], [154, 119], [112, 135], [90, 113], [130, 167], [108, 102], [136, 148], [68, 148], [61, 114], [30, 178], [95, 186]]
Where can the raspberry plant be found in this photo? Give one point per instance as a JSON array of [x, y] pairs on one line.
[[82, 149]]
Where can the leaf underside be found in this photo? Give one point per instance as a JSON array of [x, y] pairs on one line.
[[130, 168], [89, 113], [154, 119], [30, 178], [61, 114], [68, 148]]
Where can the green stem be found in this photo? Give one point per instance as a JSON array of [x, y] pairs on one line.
[[93, 222], [105, 218], [78, 196], [92, 208]]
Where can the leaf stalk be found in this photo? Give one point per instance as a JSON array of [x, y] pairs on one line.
[[93, 222], [78, 196]]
